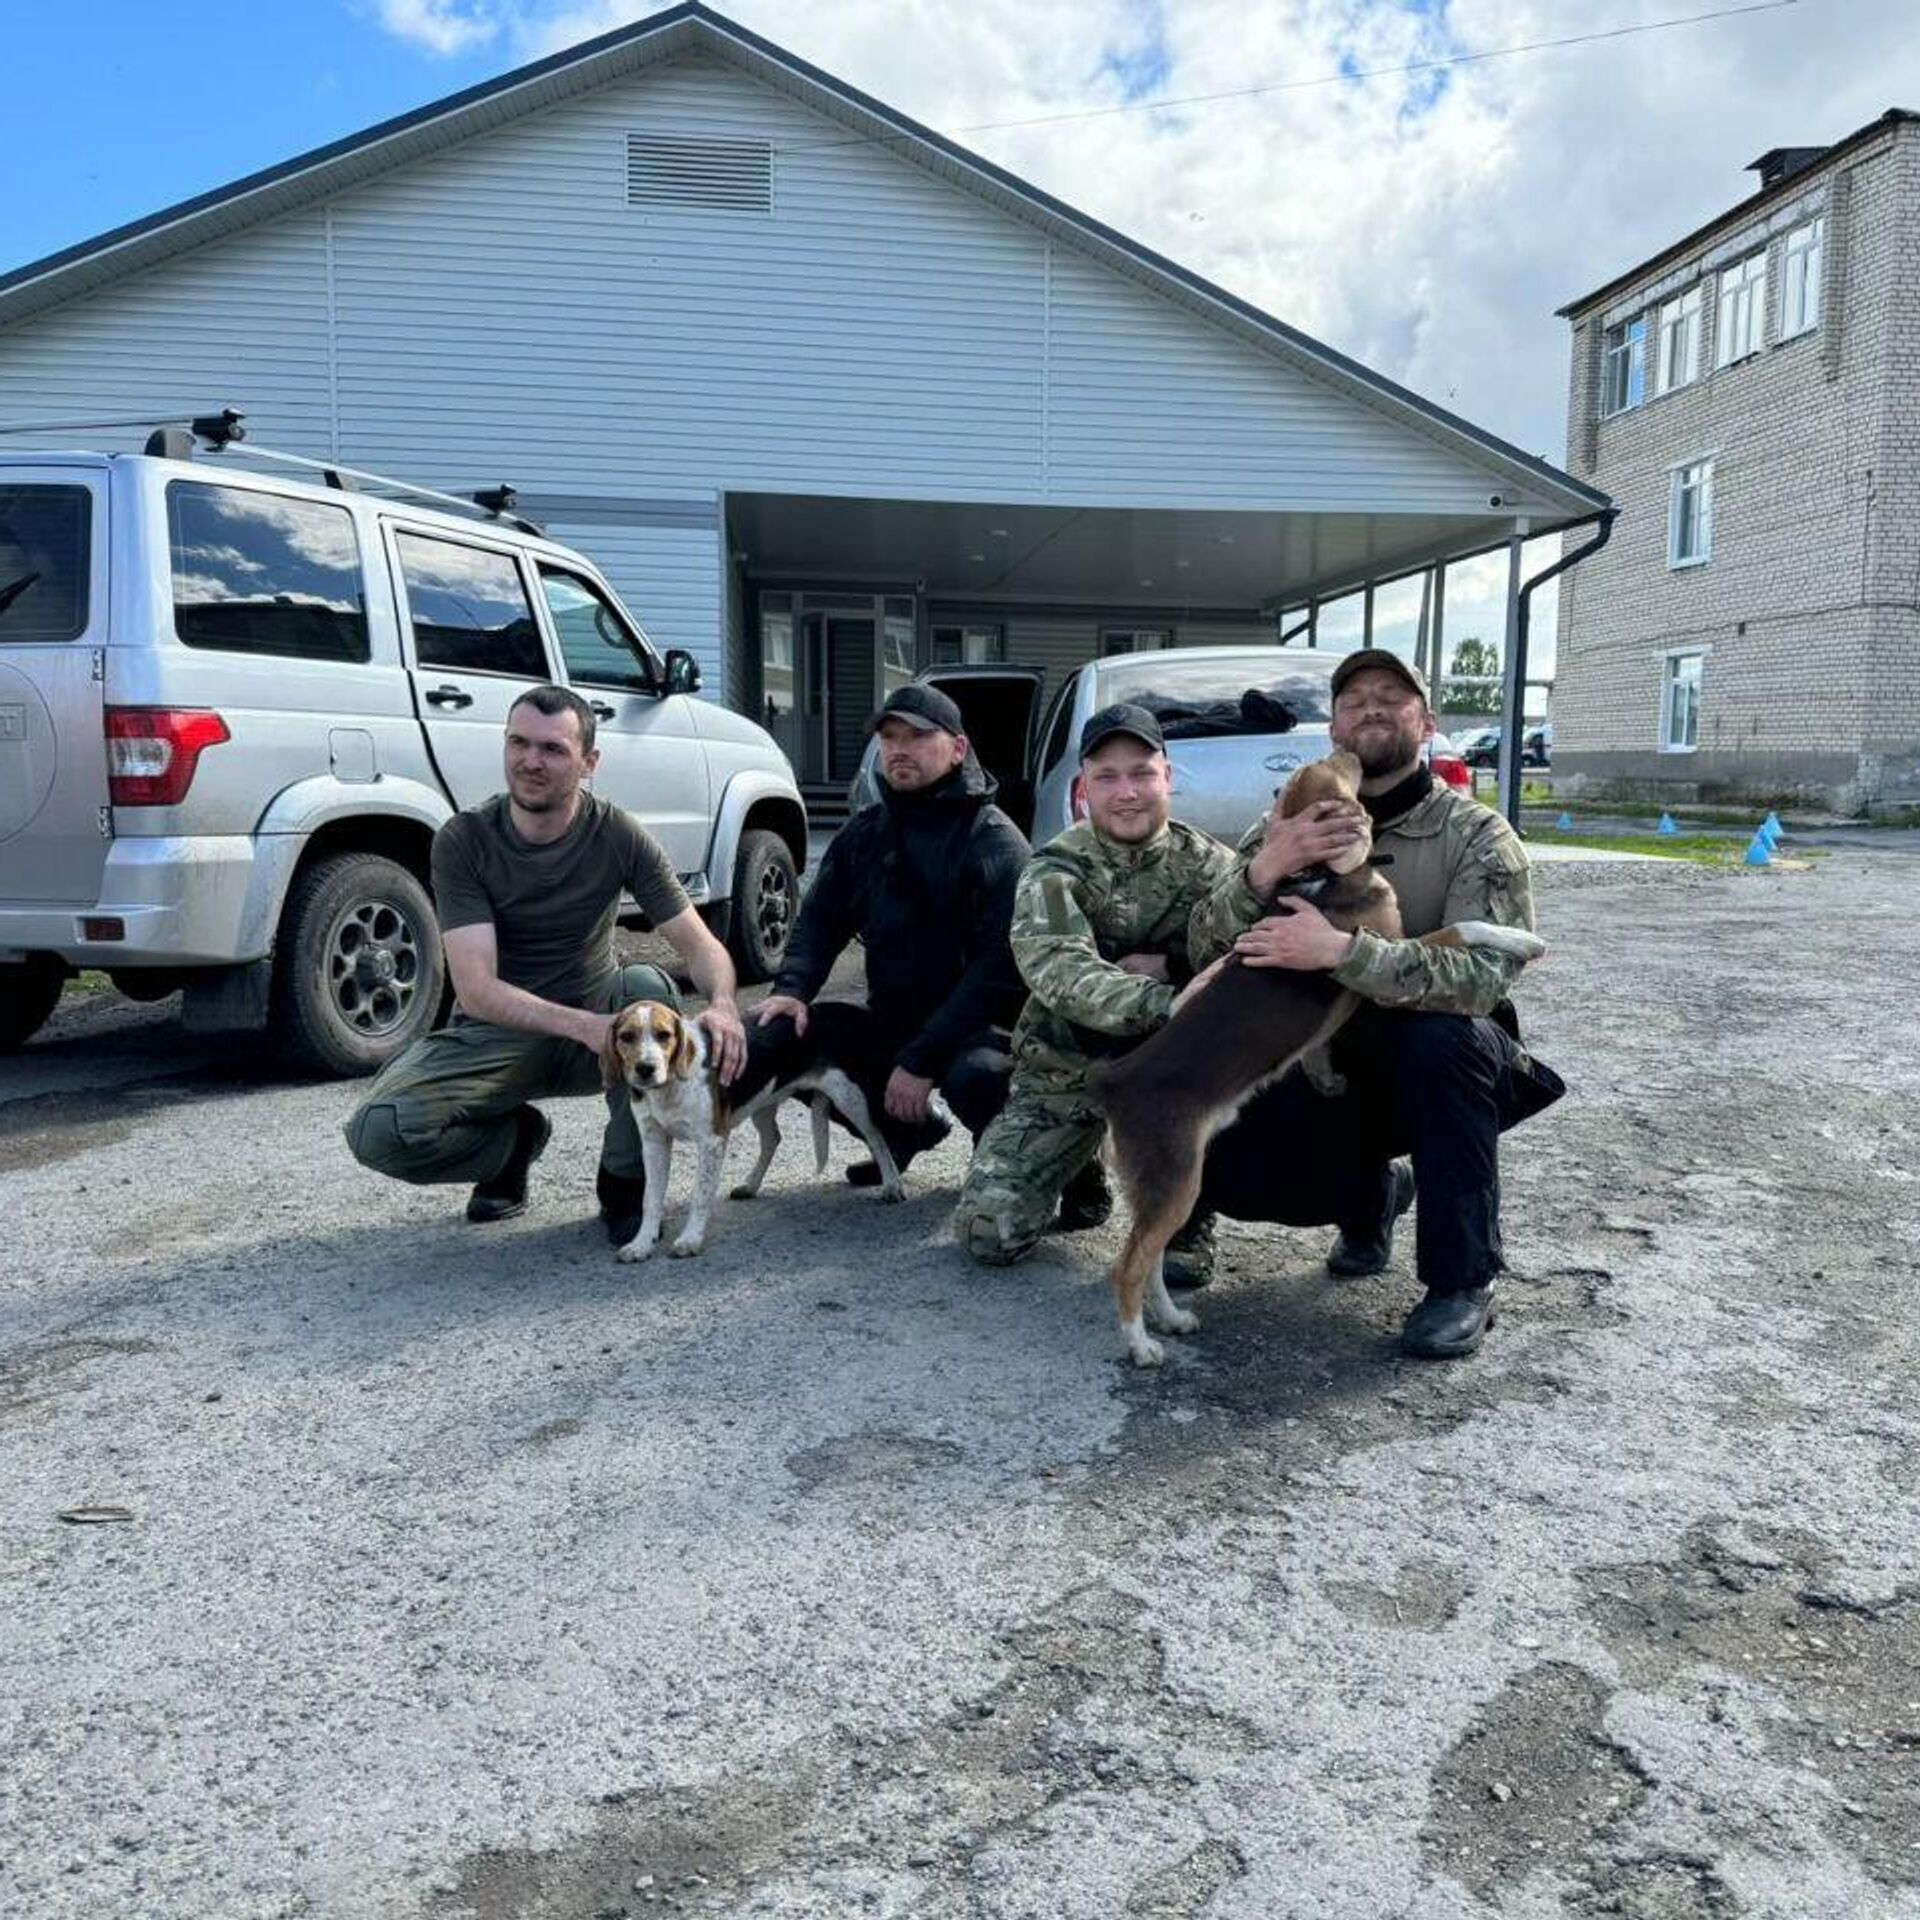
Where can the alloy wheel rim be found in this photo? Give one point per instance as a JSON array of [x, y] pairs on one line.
[[374, 968]]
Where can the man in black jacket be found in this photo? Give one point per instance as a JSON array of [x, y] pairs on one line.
[[924, 881]]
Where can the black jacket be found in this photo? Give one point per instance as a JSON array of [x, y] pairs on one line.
[[925, 882]]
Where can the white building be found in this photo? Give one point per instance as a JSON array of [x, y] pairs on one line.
[[827, 396]]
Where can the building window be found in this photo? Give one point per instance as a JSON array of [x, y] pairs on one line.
[[1680, 703], [969, 646], [1623, 366], [1679, 342], [1690, 516], [1800, 296], [1135, 639], [1743, 304]]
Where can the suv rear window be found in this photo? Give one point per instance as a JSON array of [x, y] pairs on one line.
[[1193, 699], [46, 536], [262, 573]]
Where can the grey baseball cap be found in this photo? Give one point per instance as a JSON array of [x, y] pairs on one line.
[[1385, 658]]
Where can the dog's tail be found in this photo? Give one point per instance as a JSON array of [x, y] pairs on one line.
[[822, 1110]]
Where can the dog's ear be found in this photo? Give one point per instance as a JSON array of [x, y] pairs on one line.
[[1346, 765], [686, 1052], [612, 1067]]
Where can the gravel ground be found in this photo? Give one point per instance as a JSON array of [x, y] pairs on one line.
[[470, 1573]]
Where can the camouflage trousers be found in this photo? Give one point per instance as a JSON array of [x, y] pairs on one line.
[[446, 1110], [1022, 1163]]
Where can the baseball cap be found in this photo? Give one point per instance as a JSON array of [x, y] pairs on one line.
[[1379, 657], [926, 709], [1125, 717]]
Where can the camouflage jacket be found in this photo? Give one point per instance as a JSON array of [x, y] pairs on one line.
[[1452, 859], [1082, 903]]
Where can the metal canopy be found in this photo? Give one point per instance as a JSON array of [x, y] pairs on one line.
[[1139, 556]]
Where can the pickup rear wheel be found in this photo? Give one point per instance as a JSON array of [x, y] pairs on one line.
[[766, 897], [358, 969], [29, 992]]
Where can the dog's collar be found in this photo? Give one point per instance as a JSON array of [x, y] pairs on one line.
[[1307, 886]]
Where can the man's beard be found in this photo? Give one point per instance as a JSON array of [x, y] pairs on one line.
[[537, 799], [1381, 752]]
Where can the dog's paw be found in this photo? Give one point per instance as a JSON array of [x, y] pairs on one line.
[[1145, 1351], [893, 1195], [743, 1192], [1177, 1320], [684, 1248], [639, 1248]]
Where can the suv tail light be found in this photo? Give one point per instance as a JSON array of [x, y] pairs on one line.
[[152, 752], [1450, 768]]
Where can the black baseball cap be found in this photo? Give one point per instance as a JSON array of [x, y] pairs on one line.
[[1124, 718], [926, 709], [1386, 658]]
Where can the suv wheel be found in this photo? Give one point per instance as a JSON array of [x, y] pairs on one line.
[[766, 896], [29, 991], [358, 970]]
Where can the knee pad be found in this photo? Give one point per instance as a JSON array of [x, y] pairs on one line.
[[373, 1137]]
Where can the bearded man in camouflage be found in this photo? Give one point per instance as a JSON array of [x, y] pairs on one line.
[[1099, 934], [1433, 1065]]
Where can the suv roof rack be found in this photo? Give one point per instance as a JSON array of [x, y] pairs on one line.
[[176, 435]]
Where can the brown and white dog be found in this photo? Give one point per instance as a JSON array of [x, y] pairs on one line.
[[1167, 1098], [661, 1058]]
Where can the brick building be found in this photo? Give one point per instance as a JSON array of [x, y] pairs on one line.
[[1750, 397]]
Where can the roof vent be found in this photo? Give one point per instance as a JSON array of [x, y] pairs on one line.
[[1782, 163], [694, 170]]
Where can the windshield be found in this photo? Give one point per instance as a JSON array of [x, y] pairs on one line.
[[44, 539], [1193, 699]]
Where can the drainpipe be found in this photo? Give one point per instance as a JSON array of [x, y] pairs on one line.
[[1515, 721]]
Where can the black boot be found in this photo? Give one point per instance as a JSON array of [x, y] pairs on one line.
[[506, 1193], [1447, 1326], [1364, 1250], [905, 1148], [622, 1196], [1087, 1201], [1188, 1264]]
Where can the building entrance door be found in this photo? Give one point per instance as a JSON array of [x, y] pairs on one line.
[[827, 660]]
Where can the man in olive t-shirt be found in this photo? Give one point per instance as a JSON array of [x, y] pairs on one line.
[[527, 886]]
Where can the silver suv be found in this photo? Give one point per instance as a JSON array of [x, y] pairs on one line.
[[234, 707]]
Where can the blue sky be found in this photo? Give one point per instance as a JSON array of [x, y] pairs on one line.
[[129, 105]]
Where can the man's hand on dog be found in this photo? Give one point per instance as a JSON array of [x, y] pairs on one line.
[[781, 1006], [1311, 838], [727, 1039], [907, 1096], [1149, 966], [1295, 935]]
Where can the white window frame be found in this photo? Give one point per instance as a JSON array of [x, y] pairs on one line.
[[1629, 351], [1800, 279], [1740, 324], [1670, 683], [1115, 640], [1678, 486], [1680, 341]]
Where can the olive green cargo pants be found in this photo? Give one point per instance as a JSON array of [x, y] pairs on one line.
[[445, 1110], [1023, 1162]]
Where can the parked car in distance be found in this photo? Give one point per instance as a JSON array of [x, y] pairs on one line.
[[1238, 721], [1536, 746], [1479, 746], [235, 706]]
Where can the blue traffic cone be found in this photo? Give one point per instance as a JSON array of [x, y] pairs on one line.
[[1775, 831], [1666, 824], [1565, 823], [1759, 853], [1771, 835]]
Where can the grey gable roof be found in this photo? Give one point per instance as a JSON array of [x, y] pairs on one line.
[[693, 26]]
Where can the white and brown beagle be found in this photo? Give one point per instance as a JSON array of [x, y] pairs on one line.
[[661, 1058]]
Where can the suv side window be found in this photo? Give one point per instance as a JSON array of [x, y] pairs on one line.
[[469, 608], [264, 573], [1057, 728], [45, 538], [598, 646]]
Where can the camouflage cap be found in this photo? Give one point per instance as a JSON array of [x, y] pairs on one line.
[[1386, 659]]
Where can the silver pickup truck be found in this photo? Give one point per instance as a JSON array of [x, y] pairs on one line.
[[234, 707]]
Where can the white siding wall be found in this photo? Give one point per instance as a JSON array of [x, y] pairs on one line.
[[500, 312]]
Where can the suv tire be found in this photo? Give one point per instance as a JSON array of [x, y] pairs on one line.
[[358, 968], [29, 992], [766, 898]]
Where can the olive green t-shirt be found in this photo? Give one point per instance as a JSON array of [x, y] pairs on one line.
[[553, 906]]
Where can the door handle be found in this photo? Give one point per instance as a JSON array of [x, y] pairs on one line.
[[600, 710], [448, 697]]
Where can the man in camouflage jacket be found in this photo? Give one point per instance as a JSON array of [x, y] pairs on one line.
[[1099, 933], [1432, 1065]]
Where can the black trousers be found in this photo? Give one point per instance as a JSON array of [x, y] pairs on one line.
[[1441, 1087], [974, 1085]]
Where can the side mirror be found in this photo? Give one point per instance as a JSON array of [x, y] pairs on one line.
[[683, 671]]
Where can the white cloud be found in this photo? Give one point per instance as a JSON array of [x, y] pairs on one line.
[[443, 27]]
